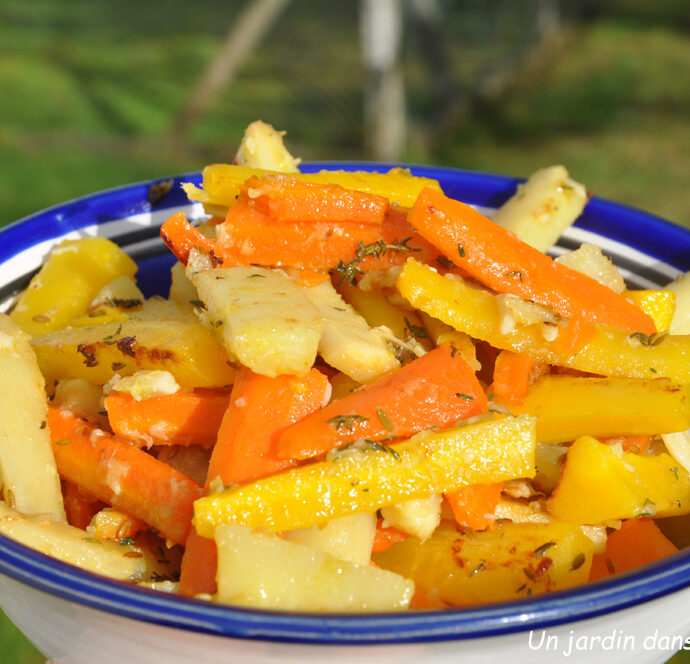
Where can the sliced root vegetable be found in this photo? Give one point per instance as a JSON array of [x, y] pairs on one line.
[[637, 542], [435, 390], [596, 348], [122, 475], [189, 351], [513, 374], [262, 570], [347, 342], [567, 407], [222, 183], [259, 408], [499, 260], [660, 305], [77, 547], [114, 525], [474, 506], [183, 418], [370, 476], [28, 476], [511, 561], [543, 207], [67, 282], [598, 485], [263, 318], [286, 199]]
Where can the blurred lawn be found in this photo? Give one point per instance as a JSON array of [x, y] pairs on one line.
[[85, 108]]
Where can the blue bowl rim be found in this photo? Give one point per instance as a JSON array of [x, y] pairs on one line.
[[652, 235]]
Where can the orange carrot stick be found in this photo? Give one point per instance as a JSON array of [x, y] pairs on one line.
[[285, 199], [181, 237], [183, 418], [385, 538], [122, 475], [502, 262], [637, 542], [474, 506], [260, 407], [630, 443], [513, 374], [79, 508], [434, 390]]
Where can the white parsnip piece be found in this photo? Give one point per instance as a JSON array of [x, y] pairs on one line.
[[418, 517], [680, 324], [588, 259], [347, 342], [262, 147], [543, 207], [347, 537], [262, 570], [29, 476], [75, 546], [263, 319]]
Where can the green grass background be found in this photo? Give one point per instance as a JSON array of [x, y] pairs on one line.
[[91, 88]]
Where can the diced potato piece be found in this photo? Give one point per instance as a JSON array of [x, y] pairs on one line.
[[76, 546], [590, 260], [543, 207], [222, 183], [347, 342], [182, 289], [419, 517], [262, 147], [660, 305], [28, 474], [264, 319], [598, 485], [187, 350], [510, 561], [567, 407], [680, 324], [346, 538], [609, 351], [365, 478], [70, 278], [262, 570]]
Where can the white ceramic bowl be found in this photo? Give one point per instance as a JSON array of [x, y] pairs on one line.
[[75, 617]]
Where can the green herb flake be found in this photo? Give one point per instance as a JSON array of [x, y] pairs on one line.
[[346, 421], [578, 562], [461, 251], [381, 447], [541, 550], [43, 424], [112, 338], [126, 541], [466, 397], [350, 271], [66, 441], [649, 340], [609, 565], [256, 276], [478, 568], [383, 418], [515, 273], [674, 470], [197, 303], [414, 331], [444, 262]]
